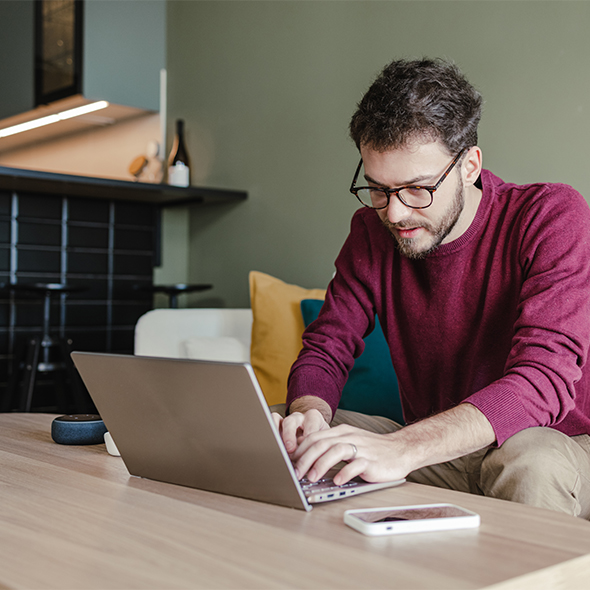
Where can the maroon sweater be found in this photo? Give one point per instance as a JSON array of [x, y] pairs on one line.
[[499, 318]]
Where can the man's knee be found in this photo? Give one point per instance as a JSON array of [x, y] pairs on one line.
[[537, 466], [279, 409], [377, 424]]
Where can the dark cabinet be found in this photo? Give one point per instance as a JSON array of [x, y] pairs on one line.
[[58, 49]]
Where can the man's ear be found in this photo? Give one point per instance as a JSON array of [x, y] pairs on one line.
[[471, 167]]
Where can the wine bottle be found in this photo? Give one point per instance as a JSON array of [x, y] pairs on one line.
[[178, 162]]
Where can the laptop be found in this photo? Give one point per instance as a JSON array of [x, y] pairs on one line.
[[201, 424]]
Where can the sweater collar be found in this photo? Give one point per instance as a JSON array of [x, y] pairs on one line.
[[487, 182]]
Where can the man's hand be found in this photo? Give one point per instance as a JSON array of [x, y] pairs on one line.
[[375, 457], [307, 415], [386, 457]]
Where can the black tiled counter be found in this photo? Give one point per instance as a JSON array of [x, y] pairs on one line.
[[49, 183], [97, 233]]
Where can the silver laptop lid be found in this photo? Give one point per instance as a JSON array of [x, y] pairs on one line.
[[200, 424]]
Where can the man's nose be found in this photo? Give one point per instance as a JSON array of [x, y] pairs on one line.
[[397, 211]]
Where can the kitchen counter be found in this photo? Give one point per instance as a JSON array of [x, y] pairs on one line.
[[22, 180]]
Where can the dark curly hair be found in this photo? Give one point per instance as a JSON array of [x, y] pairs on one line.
[[428, 99]]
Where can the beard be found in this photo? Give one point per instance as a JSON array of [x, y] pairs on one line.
[[409, 248]]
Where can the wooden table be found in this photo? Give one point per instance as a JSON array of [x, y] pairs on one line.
[[72, 517]]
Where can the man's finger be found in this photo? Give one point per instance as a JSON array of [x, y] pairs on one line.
[[316, 437], [289, 427], [320, 457], [313, 421], [277, 419], [350, 470]]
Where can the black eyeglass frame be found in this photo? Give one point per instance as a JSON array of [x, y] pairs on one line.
[[396, 191]]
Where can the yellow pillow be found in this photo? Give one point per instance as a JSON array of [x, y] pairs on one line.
[[276, 331]]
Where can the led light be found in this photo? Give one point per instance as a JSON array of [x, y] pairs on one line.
[[83, 110]]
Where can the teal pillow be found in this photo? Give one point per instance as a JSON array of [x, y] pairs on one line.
[[372, 386]]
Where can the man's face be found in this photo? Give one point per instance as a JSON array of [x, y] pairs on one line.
[[418, 231]]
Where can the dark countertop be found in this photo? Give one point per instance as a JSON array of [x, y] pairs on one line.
[[20, 179]]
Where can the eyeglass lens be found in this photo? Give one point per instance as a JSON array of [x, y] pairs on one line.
[[377, 198]]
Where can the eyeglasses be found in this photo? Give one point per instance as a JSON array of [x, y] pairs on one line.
[[412, 196]]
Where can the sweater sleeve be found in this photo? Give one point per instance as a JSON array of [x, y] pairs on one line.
[[552, 330], [335, 339]]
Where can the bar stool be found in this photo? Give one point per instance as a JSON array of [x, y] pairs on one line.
[[35, 356], [173, 291]]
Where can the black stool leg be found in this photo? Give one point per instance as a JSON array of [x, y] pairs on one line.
[[13, 381], [61, 391], [30, 373], [76, 386]]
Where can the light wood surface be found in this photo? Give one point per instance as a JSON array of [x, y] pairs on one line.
[[72, 517]]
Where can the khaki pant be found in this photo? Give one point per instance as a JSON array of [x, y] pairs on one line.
[[538, 466]]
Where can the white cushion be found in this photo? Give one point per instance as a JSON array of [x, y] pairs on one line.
[[163, 332], [222, 348]]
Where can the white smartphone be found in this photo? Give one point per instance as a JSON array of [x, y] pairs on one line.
[[411, 519]]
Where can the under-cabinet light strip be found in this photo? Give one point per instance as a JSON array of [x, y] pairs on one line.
[[83, 110]]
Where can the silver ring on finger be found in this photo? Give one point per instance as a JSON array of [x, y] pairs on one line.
[[354, 452]]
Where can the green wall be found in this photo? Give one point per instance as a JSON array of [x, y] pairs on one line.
[[16, 41], [267, 90], [124, 47]]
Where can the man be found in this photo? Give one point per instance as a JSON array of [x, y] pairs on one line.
[[483, 292]]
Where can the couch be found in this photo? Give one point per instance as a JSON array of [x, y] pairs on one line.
[[206, 334]]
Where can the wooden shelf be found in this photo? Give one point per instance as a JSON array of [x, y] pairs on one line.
[[33, 181]]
